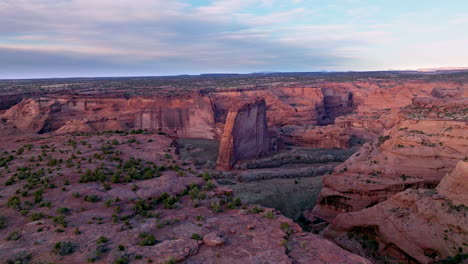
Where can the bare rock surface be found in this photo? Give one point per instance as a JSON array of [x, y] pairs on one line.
[[416, 153], [414, 225]]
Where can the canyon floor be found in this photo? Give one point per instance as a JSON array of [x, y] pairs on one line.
[[267, 168]]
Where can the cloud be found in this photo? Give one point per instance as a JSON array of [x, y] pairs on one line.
[[109, 37]]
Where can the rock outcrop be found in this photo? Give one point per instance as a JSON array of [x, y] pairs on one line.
[[454, 186], [416, 153], [413, 226], [245, 134]]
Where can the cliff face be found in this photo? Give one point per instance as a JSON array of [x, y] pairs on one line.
[[186, 117], [285, 105], [361, 109], [245, 134], [318, 137], [416, 153], [414, 226]]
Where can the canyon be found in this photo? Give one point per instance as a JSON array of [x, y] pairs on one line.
[[370, 166]]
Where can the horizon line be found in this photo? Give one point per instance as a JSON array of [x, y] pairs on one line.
[[420, 70]]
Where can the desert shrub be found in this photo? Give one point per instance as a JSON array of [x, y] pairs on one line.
[[14, 202], [102, 240], [63, 210], [382, 139], [269, 215], [36, 216], [64, 248], [142, 207], [38, 195], [286, 227], [92, 176], [170, 202], [21, 258], [122, 260], [147, 240], [215, 207], [97, 253], [3, 222], [256, 210], [60, 220], [210, 185], [196, 237], [15, 235], [92, 198]]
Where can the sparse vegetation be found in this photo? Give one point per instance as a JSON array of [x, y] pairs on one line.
[[64, 248], [146, 240]]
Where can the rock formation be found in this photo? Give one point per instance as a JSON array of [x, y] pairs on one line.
[[245, 134], [413, 226], [190, 116], [317, 137], [416, 153]]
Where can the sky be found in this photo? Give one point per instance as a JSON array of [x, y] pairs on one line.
[[78, 38]]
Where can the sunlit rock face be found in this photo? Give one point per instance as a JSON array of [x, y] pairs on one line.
[[426, 143], [245, 134], [413, 226], [186, 116]]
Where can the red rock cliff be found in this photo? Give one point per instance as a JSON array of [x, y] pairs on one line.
[[423, 225], [426, 144], [245, 134], [190, 116]]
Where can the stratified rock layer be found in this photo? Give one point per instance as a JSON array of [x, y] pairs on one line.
[[190, 116], [414, 226], [416, 153], [245, 134]]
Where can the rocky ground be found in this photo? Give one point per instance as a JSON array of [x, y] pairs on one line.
[[83, 180], [118, 197]]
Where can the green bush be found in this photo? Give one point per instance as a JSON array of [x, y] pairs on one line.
[[102, 240], [92, 198], [196, 237], [14, 202], [36, 216], [147, 240]]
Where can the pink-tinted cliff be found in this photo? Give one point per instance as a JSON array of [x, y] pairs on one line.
[[245, 134], [189, 116], [413, 226], [427, 143]]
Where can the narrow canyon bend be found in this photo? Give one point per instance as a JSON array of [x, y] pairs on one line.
[[324, 168]]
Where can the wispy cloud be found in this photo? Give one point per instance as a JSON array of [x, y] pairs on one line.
[[108, 37]]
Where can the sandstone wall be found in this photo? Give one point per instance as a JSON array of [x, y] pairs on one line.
[[187, 117], [422, 225], [245, 134], [416, 153]]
